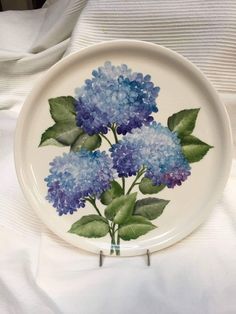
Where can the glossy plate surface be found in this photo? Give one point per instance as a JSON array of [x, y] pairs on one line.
[[182, 87]]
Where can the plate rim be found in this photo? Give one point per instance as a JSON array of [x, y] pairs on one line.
[[217, 102]]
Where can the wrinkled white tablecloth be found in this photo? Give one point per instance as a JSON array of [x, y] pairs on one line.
[[39, 273]]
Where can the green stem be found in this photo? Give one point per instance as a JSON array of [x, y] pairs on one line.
[[118, 245], [93, 202], [106, 139], [113, 241], [123, 184], [113, 128], [139, 174], [111, 249], [113, 228]]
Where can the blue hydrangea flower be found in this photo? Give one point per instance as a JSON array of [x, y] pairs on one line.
[[115, 95], [157, 149], [74, 176]]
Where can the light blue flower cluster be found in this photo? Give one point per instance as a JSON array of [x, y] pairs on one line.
[[157, 149], [74, 176], [115, 95]]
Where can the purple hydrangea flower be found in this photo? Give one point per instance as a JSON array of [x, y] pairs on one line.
[[74, 176], [115, 95], [157, 149]]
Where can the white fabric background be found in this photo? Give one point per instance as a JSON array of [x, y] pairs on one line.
[[39, 273]]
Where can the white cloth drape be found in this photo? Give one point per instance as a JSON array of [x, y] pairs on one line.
[[39, 273]]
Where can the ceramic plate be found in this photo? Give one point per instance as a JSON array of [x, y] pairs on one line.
[[123, 147]]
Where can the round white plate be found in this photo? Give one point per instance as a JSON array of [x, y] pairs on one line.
[[182, 87]]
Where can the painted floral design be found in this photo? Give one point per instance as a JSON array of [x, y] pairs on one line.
[[115, 95], [154, 148], [75, 176], [120, 102]]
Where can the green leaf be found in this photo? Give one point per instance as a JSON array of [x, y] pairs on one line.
[[146, 187], [115, 191], [183, 122], [134, 227], [150, 207], [61, 133], [86, 141], [121, 208], [90, 226], [193, 148], [62, 108]]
